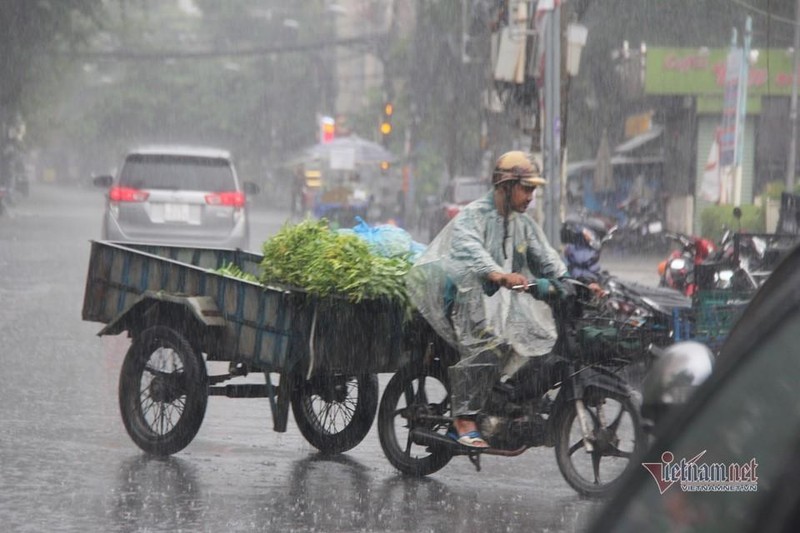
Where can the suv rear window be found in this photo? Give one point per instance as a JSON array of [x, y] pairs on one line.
[[177, 173]]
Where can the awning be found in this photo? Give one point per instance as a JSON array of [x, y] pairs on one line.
[[617, 160], [639, 140], [344, 153]]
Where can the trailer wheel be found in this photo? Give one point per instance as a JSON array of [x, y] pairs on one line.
[[334, 413], [163, 391]]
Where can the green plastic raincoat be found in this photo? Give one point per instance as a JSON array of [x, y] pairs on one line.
[[495, 330]]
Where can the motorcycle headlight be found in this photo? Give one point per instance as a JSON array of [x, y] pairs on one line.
[[679, 263], [723, 279]]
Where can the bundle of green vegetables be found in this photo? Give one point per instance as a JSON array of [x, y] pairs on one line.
[[233, 270], [311, 256]]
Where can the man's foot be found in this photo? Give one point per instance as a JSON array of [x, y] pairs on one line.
[[467, 433]]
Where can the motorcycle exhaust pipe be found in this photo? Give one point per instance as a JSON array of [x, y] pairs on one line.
[[426, 437]]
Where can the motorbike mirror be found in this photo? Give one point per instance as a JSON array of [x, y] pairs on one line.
[[610, 234], [737, 213]]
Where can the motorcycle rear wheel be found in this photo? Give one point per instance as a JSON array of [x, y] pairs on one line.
[[616, 435], [411, 394]]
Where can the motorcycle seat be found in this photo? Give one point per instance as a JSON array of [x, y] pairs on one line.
[[662, 296]]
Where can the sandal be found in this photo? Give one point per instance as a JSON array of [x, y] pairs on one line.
[[471, 439]]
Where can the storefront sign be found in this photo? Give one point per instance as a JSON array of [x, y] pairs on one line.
[[638, 124], [693, 71]]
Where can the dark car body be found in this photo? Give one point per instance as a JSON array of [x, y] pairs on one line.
[[727, 460], [177, 195]]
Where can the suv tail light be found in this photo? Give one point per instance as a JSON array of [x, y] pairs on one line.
[[127, 194], [231, 198]]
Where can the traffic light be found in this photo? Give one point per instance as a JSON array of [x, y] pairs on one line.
[[327, 129], [386, 122]]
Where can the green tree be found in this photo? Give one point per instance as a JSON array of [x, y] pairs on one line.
[[33, 38], [446, 94], [243, 74]]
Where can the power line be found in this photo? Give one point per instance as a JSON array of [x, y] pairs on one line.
[[760, 11], [140, 55]]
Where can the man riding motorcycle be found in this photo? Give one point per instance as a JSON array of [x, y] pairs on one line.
[[491, 243]]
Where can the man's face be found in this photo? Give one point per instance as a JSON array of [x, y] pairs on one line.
[[521, 196]]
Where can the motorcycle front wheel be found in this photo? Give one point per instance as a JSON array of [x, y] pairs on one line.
[[616, 438], [414, 399]]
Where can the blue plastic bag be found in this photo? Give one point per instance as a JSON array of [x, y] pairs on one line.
[[387, 240]]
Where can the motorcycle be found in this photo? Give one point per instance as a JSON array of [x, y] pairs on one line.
[[652, 315], [677, 271], [643, 228], [642, 316], [584, 239], [573, 400]]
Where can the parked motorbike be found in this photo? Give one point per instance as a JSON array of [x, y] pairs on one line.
[[738, 263], [677, 271], [573, 400], [584, 239], [653, 314], [643, 315], [643, 228]]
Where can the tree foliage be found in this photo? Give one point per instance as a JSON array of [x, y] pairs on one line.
[[30, 33], [263, 105], [230, 77]]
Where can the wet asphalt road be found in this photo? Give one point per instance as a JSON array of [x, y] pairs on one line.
[[67, 464]]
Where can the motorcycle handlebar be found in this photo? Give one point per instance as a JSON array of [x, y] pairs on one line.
[[532, 282]]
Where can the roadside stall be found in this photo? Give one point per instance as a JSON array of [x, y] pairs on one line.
[[353, 178]]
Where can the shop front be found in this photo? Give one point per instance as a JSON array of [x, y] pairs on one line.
[[697, 79]]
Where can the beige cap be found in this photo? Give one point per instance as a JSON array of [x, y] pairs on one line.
[[517, 165]]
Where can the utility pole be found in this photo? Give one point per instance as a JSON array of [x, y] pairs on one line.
[[552, 123], [741, 110], [793, 106]]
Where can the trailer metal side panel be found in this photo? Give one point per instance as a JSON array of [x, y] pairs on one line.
[[258, 319], [270, 326]]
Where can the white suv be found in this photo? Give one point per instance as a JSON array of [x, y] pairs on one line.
[[177, 195]]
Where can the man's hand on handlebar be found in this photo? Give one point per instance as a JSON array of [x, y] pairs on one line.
[[512, 280], [564, 287], [597, 290], [541, 288]]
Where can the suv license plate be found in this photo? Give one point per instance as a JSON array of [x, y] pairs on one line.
[[176, 212]]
